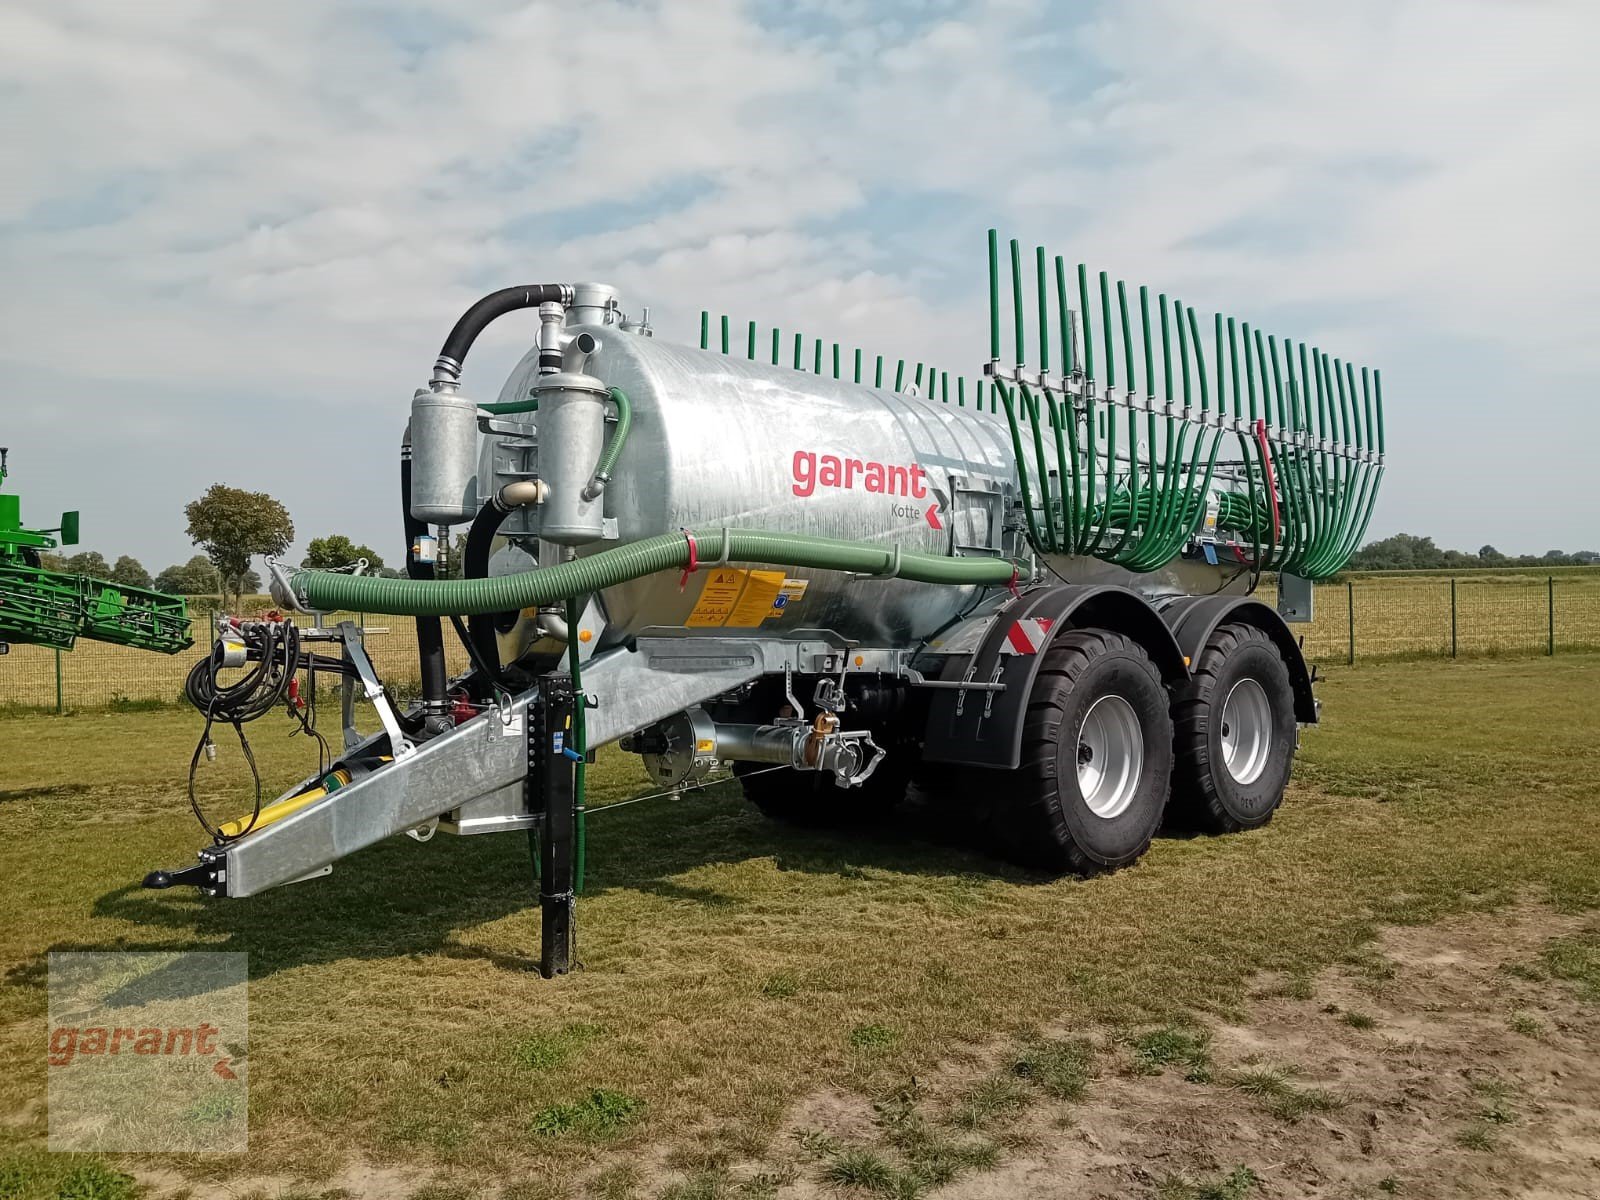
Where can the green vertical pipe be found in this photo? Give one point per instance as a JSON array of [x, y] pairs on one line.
[[1249, 369], [877, 373], [776, 339], [1016, 296], [994, 297], [1183, 351], [1144, 329], [961, 391], [750, 343], [1064, 315], [1233, 366], [580, 744], [836, 360], [724, 334], [1004, 395], [899, 375], [1088, 325], [1105, 320], [1044, 317], [916, 380], [816, 359], [858, 364], [977, 395], [799, 350], [944, 387], [1092, 453], [705, 329], [1031, 405]]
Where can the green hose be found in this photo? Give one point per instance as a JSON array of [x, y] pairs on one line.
[[580, 746], [619, 436], [328, 590]]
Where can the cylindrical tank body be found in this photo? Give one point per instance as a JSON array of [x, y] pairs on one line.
[[444, 458], [722, 441]]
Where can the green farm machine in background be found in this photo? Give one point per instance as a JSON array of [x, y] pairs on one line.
[[53, 608]]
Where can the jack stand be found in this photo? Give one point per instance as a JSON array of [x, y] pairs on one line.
[[550, 769]]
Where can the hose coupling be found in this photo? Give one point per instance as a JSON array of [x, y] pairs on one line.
[[596, 485]]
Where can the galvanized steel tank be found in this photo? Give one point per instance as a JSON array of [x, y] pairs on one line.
[[723, 441]]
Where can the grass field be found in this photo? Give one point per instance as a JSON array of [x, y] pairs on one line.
[[1498, 612], [734, 969]]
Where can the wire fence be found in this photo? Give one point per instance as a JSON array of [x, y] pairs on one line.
[[1360, 620]]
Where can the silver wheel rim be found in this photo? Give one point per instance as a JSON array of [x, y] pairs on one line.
[[1110, 756], [1246, 731]]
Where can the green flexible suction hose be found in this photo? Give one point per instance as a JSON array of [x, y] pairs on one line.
[[328, 590]]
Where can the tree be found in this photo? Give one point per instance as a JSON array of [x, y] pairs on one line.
[[249, 583], [87, 562], [336, 550], [233, 526], [197, 577], [1490, 555], [130, 572]]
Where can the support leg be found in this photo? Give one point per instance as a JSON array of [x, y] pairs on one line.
[[552, 774]]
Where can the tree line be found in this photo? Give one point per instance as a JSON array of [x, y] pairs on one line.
[[1408, 552]]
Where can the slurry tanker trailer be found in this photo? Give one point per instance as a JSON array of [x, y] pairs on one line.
[[1028, 595]]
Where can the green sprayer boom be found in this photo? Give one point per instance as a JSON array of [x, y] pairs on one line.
[[53, 608], [1285, 454]]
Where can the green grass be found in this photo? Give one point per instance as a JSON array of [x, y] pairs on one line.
[[1577, 960], [1060, 1066], [396, 1016], [1272, 1088], [1173, 1046], [1235, 1185], [1359, 1020]]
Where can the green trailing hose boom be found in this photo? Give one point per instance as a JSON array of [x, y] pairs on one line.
[[1283, 478]]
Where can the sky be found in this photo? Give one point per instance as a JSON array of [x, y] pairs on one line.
[[234, 236]]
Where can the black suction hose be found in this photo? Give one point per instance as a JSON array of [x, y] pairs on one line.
[[490, 308], [475, 565]]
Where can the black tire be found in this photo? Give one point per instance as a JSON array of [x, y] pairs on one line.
[[1041, 817], [1206, 793], [810, 799]]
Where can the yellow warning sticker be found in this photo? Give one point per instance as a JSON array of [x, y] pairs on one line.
[[718, 594], [757, 602]]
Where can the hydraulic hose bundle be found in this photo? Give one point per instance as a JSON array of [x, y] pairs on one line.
[[1291, 469]]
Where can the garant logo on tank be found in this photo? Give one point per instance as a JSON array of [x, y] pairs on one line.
[[813, 471]]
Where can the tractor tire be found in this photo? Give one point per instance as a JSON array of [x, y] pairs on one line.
[[1091, 788], [1234, 733]]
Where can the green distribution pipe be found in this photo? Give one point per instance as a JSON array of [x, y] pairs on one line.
[[1004, 394], [877, 374], [1069, 407], [858, 366], [1116, 551], [799, 350], [330, 590], [619, 438], [724, 335], [900, 375], [816, 367], [961, 391], [1044, 316], [705, 329], [1031, 407], [580, 745], [836, 360], [776, 339], [750, 347], [1093, 453], [1016, 292], [994, 297]]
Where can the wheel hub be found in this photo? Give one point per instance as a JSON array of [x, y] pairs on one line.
[[1110, 756], [1246, 731]]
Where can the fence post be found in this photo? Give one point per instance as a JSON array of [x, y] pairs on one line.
[[1350, 597], [60, 706], [1452, 618], [1550, 585]]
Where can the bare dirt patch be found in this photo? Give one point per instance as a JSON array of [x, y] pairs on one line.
[[1441, 1062]]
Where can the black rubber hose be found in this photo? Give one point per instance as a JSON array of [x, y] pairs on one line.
[[475, 565], [430, 632], [490, 308]]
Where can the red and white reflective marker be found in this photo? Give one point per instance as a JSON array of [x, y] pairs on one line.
[[1027, 636]]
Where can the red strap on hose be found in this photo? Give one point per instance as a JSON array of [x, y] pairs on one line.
[[694, 561], [1272, 482], [1012, 582]]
